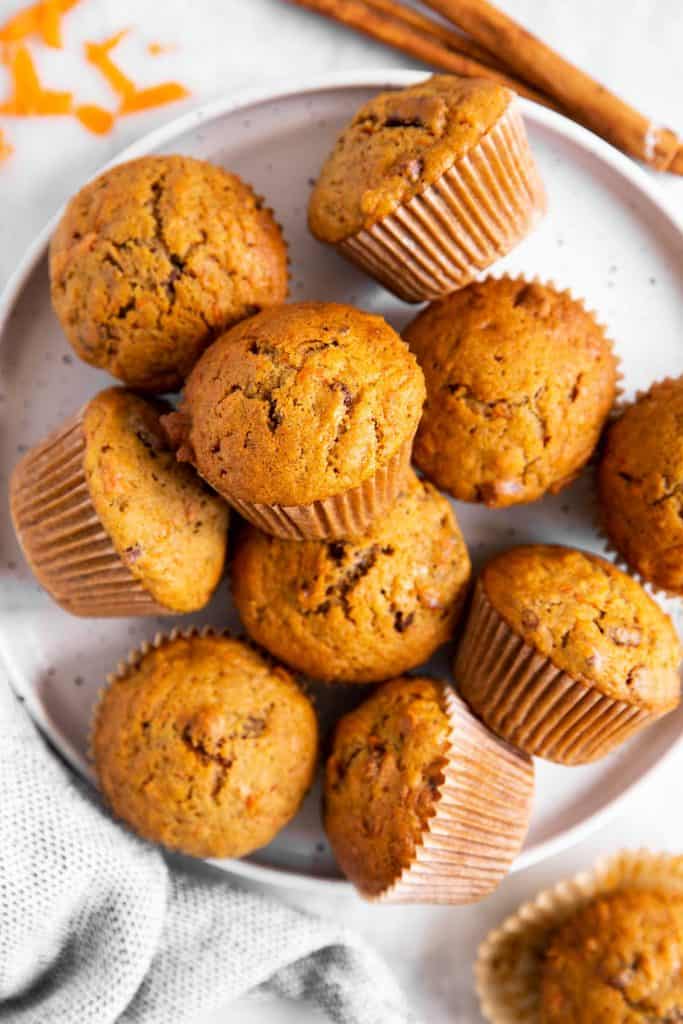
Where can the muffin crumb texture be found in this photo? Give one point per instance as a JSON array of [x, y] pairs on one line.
[[299, 403], [153, 259], [590, 619], [382, 780], [167, 527], [205, 747], [617, 961], [363, 609], [520, 379], [640, 482], [396, 146]]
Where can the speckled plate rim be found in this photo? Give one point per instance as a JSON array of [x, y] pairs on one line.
[[633, 174]]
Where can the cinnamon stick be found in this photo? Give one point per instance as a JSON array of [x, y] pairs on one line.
[[584, 99], [455, 41], [361, 15]]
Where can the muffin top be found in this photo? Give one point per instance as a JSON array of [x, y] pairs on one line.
[[155, 257], [363, 609], [382, 780], [617, 961], [166, 525], [205, 747], [640, 483], [520, 379], [398, 144], [590, 619], [299, 403]]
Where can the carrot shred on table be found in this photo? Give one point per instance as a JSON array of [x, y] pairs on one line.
[[29, 97], [98, 56], [157, 49], [24, 23], [5, 148], [50, 20], [42, 19], [155, 96], [95, 119]]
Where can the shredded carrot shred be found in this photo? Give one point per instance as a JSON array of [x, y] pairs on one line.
[[5, 148], [157, 49], [98, 55], [95, 119], [29, 97], [155, 96], [43, 19]]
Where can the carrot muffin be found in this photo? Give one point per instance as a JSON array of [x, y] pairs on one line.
[[617, 961], [154, 258], [303, 418], [359, 610], [564, 655], [202, 745], [403, 190], [108, 520], [520, 379], [605, 946], [640, 485], [406, 785]]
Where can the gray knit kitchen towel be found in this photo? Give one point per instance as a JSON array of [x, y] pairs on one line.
[[95, 926]]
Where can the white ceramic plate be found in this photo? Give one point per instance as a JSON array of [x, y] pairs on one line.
[[606, 236]]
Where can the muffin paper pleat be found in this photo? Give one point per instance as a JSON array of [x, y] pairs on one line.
[[343, 515], [523, 697], [480, 820], [509, 962], [475, 213], [64, 542]]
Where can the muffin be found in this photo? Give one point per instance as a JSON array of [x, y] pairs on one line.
[[303, 418], [616, 960], [564, 655], [154, 258], [640, 485], [202, 745], [359, 610], [604, 946], [421, 803], [109, 522], [429, 185], [520, 379]]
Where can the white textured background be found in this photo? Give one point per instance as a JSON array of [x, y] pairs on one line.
[[225, 45]]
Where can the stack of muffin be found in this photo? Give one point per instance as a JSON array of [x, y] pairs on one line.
[[348, 566]]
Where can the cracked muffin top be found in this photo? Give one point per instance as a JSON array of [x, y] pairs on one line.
[[299, 403], [382, 779], [204, 746], [359, 610], [397, 145], [640, 485], [154, 258], [167, 527], [590, 619], [520, 379], [617, 961]]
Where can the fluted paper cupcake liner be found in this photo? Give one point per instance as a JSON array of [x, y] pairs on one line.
[[522, 696], [474, 214], [343, 515], [509, 962], [63, 540], [480, 820]]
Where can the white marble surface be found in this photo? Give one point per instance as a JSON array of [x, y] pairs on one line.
[[225, 45]]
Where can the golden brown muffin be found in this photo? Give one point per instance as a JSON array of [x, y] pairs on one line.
[[204, 746], [617, 961], [109, 521], [298, 405], [582, 655], [421, 803], [360, 610], [157, 256], [640, 485], [382, 780], [397, 145], [520, 379]]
